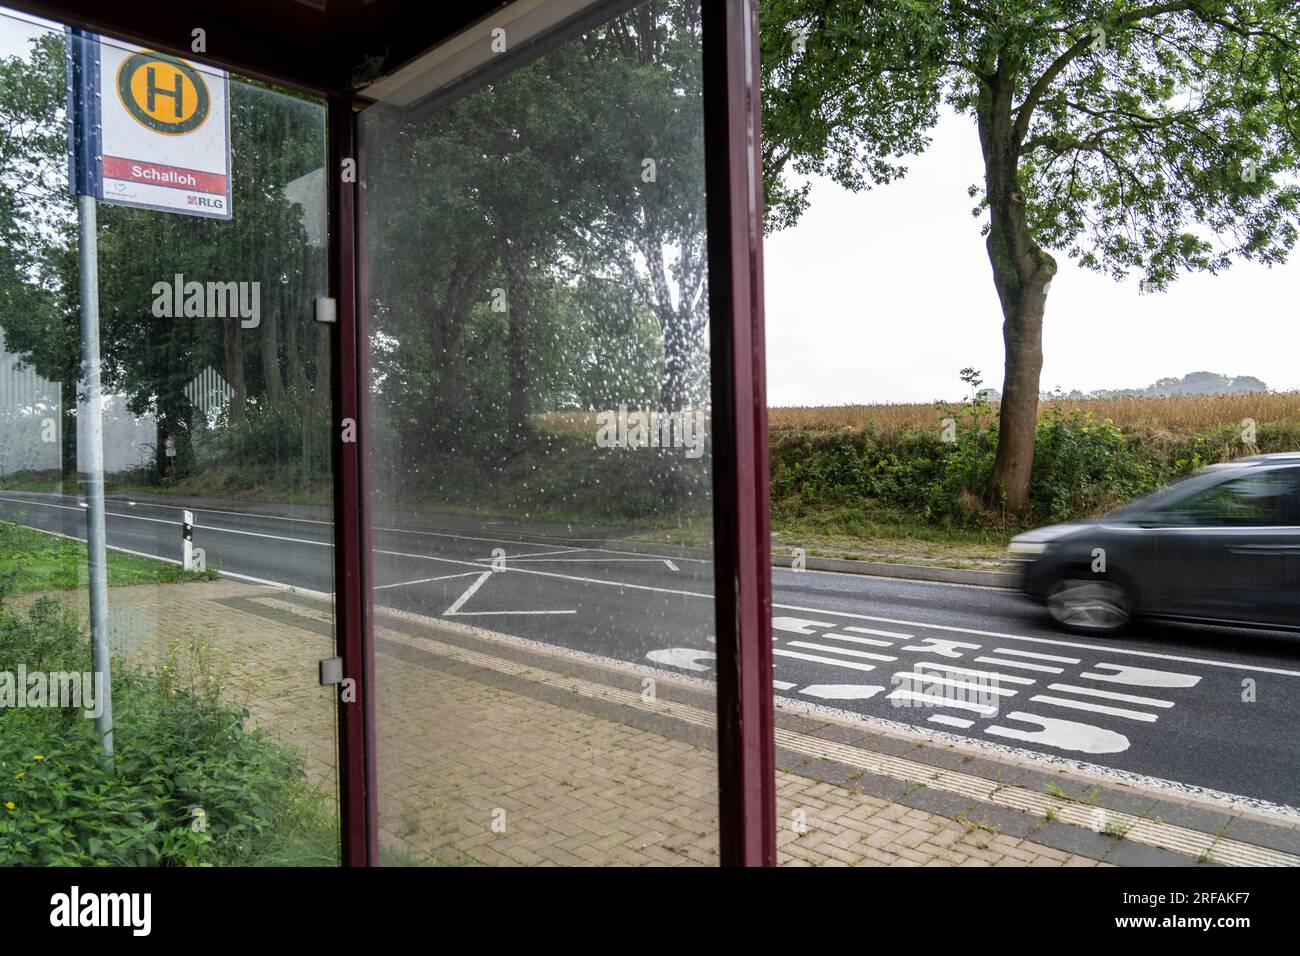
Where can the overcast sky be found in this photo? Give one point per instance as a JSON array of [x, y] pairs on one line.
[[884, 296]]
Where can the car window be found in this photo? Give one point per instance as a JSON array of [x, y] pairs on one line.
[[1258, 500]]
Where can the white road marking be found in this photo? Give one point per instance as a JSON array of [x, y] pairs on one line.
[[1095, 708], [1021, 665], [852, 665], [783, 684], [797, 625], [402, 584], [1063, 734], [495, 613], [1111, 695], [1106, 648], [842, 691], [941, 646], [949, 682], [842, 650], [986, 710], [954, 669], [1036, 657], [1142, 677], [1109, 648], [948, 721], [467, 593], [857, 640], [538, 554], [687, 658], [908, 731], [872, 630]]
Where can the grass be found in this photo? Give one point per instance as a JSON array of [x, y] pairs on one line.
[[307, 831], [35, 561]]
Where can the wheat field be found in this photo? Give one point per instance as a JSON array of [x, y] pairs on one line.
[[1187, 414], [1181, 414]]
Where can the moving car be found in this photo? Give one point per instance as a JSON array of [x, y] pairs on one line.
[[1220, 546]]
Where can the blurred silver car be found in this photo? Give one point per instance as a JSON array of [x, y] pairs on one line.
[[1220, 546]]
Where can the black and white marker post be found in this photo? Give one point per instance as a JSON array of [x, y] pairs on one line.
[[83, 113], [187, 540]]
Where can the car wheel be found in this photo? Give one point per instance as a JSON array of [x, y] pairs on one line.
[[1089, 606]]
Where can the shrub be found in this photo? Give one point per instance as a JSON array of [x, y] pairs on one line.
[[189, 783]]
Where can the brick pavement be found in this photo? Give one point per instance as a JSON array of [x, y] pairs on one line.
[[501, 752]]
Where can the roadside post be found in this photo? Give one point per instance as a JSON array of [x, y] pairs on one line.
[[187, 539], [83, 114], [149, 130]]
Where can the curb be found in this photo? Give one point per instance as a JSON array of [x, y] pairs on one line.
[[911, 572]]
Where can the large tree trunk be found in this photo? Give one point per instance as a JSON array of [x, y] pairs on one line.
[[1022, 336], [1022, 273], [234, 365], [269, 344], [677, 357]]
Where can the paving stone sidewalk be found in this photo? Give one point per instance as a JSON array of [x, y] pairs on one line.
[[497, 751]]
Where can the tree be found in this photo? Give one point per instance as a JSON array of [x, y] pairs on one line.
[[1156, 137], [35, 213]]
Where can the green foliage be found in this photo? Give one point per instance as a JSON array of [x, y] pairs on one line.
[[1082, 466], [1126, 146], [181, 755]]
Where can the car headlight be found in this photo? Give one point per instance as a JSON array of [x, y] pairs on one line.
[[1027, 548]]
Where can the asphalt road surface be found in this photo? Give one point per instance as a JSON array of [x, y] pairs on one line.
[[1198, 708]]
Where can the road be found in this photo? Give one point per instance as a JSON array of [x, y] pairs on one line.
[[1189, 707]]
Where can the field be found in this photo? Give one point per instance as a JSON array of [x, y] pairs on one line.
[[1183, 415]]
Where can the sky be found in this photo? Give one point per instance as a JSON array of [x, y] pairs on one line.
[[885, 295]]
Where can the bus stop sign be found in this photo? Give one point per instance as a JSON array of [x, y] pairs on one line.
[[157, 128]]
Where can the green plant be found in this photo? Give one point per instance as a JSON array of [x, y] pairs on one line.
[[189, 782]]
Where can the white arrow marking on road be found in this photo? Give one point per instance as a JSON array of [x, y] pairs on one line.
[[1063, 734]]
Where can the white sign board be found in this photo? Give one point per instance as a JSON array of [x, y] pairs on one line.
[[165, 133]]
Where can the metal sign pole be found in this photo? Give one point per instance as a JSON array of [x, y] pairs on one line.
[[83, 115]]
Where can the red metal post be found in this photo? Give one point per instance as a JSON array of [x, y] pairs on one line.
[[742, 546], [351, 554]]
